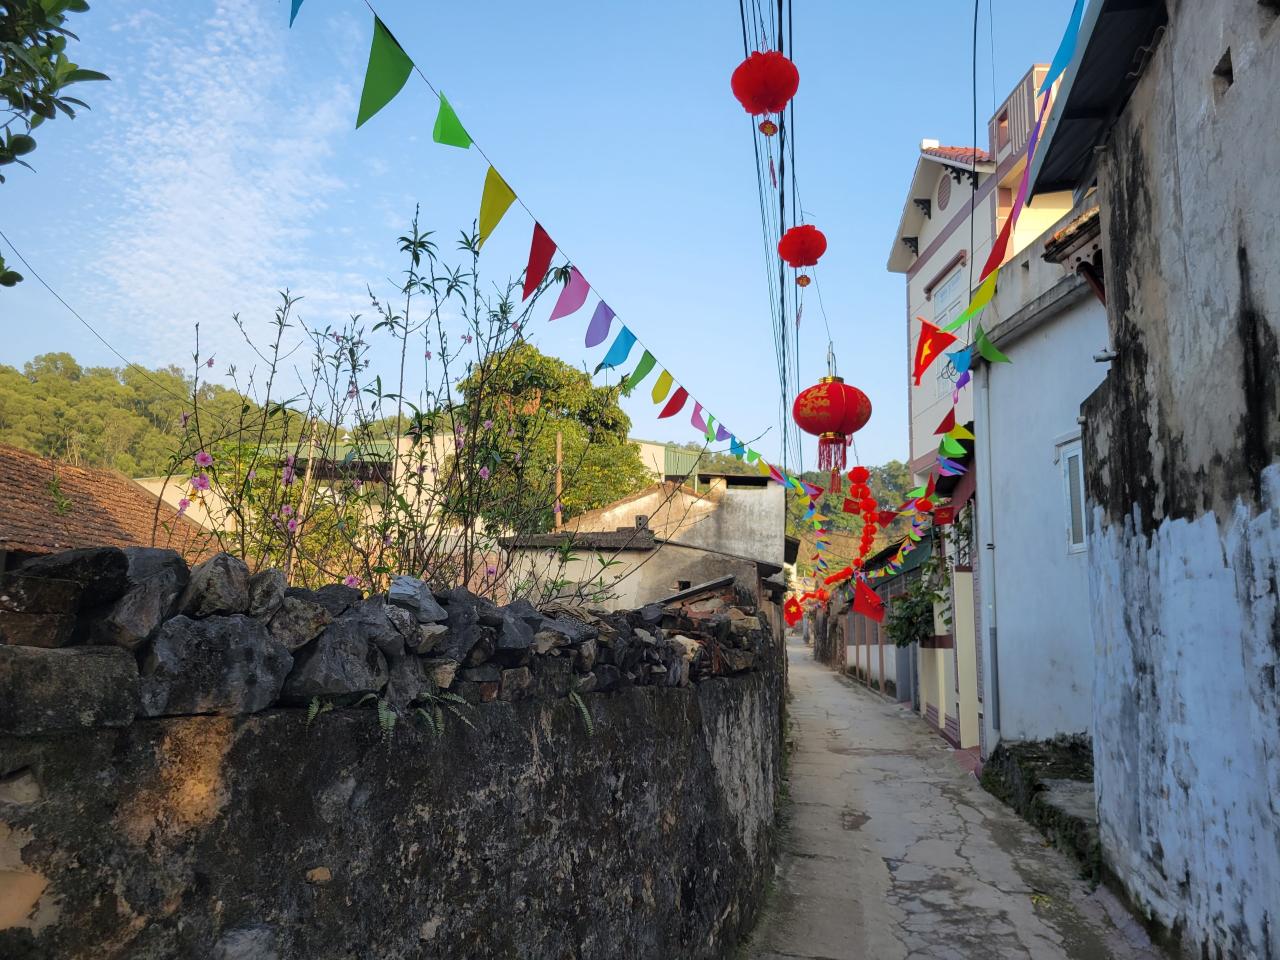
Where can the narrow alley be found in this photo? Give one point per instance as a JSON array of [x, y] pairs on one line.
[[892, 850]]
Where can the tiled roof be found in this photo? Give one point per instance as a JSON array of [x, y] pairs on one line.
[[625, 539], [99, 508], [958, 154]]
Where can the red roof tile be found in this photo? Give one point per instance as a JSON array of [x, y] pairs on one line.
[[958, 154], [101, 508]]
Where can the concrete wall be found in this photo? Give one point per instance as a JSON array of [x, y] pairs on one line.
[[749, 521], [1183, 449], [1027, 422]]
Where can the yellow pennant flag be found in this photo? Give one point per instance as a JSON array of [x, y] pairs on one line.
[[961, 433], [981, 297], [662, 387], [494, 202], [763, 467]]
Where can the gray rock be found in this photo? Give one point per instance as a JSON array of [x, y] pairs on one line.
[[372, 617], [608, 677], [744, 625], [413, 595], [575, 631], [651, 614], [736, 661], [407, 680], [484, 649], [544, 641], [514, 634], [526, 611], [484, 674], [406, 623], [475, 693], [336, 598], [266, 593], [464, 624], [586, 657], [224, 665], [429, 637], [516, 684], [247, 943], [36, 629], [298, 622], [342, 664], [218, 587], [552, 676], [157, 578], [586, 683], [101, 572], [44, 691], [23, 594]]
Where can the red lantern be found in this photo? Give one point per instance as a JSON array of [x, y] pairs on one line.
[[768, 128], [859, 474], [765, 82], [802, 246], [833, 411], [803, 280]]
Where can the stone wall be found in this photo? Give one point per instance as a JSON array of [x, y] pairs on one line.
[[205, 764], [1182, 451]]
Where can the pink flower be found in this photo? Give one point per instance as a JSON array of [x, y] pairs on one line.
[[357, 483], [459, 443], [292, 525], [351, 391], [182, 506], [286, 476], [286, 510], [466, 338], [253, 474], [204, 459], [289, 459], [386, 539], [185, 417], [488, 424], [200, 481], [517, 456], [351, 580], [491, 571], [484, 473], [428, 354], [209, 362]]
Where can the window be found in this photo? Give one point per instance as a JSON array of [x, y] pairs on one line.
[[1002, 131], [1072, 460], [948, 302]]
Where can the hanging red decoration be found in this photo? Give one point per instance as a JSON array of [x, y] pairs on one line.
[[768, 128], [859, 474], [924, 505], [793, 612], [803, 280], [833, 411], [765, 82], [802, 246]]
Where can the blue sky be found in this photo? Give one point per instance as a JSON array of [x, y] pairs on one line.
[[221, 165]]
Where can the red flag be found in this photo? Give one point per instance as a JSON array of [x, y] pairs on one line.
[[944, 516], [931, 343], [948, 423], [541, 251], [675, 403], [886, 517], [998, 250], [850, 506], [867, 602]]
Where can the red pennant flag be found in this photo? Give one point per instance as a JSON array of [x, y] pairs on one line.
[[867, 602], [998, 251], [850, 506], [948, 423], [675, 404], [886, 517], [541, 251], [931, 343], [928, 490], [944, 516]]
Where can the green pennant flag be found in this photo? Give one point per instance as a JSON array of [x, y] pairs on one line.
[[951, 448], [990, 352], [389, 68], [641, 371], [449, 129]]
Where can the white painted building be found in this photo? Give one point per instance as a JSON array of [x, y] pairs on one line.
[[1036, 636]]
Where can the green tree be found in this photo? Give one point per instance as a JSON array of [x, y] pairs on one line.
[[34, 72]]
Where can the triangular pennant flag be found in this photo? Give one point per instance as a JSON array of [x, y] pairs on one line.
[[541, 250], [981, 298], [761, 464], [1066, 49], [931, 343], [886, 517], [998, 250], [598, 328], [696, 419], [928, 487], [641, 371], [721, 433], [674, 404], [960, 432], [572, 297], [494, 203], [448, 129], [711, 434], [389, 68], [961, 360], [619, 351], [989, 351], [948, 423], [752, 456], [776, 475], [736, 448], [662, 387], [809, 513], [960, 385], [293, 13]]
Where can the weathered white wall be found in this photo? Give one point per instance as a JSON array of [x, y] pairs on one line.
[[1041, 608], [1183, 450]]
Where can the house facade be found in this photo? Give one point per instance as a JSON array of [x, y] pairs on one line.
[[959, 199], [1170, 109]]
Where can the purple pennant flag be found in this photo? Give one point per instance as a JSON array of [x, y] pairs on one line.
[[696, 419], [573, 296], [721, 433], [598, 329], [960, 385]]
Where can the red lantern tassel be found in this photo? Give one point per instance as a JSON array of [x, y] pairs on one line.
[[831, 456]]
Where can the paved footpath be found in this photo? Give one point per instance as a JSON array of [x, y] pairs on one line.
[[893, 851]]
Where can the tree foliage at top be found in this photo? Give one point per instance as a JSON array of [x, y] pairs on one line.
[[34, 73]]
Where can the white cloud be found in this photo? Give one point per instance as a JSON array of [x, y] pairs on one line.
[[219, 159]]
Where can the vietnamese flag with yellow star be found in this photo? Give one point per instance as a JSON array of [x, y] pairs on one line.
[[932, 342]]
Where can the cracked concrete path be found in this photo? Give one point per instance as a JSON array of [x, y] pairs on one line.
[[892, 851]]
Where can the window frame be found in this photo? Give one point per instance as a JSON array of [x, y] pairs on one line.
[[1066, 452]]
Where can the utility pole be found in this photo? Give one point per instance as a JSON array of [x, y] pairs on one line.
[[559, 480]]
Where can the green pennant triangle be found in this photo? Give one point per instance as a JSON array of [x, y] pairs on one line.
[[449, 129], [641, 371], [389, 68], [951, 448], [917, 492], [989, 351]]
